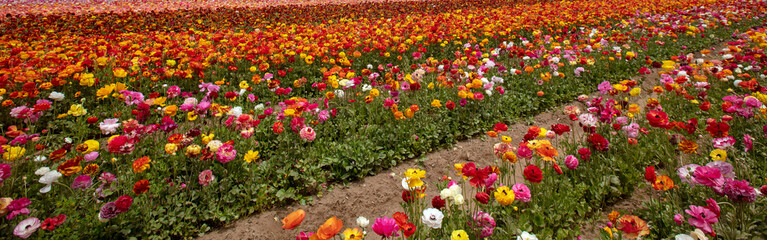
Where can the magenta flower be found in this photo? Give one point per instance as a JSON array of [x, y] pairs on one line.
[[304, 235], [571, 162], [708, 176], [739, 191], [725, 142], [82, 182], [490, 180], [386, 227], [521, 191], [725, 168], [226, 153], [748, 141], [713, 206], [702, 218], [485, 222], [5, 172], [206, 177], [524, 152], [108, 211], [16, 207], [678, 218]]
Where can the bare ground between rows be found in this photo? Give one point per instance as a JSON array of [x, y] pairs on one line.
[[380, 195]]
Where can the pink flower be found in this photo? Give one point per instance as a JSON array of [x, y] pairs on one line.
[[725, 142], [27, 227], [702, 218], [206, 177], [5, 172], [173, 91], [678, 218], [521, 192], [739, 191], [308, 134], [386, 227], [304, 235], [226, 153], [748, 141], [713, 206], [82, 182], [91, 156], [524, 152], [708, 176], [571, 162], [485, 222]]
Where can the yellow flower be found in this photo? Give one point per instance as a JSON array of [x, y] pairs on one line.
[[510, 157], [193, 150], [77, 110], [414, 177], [244, 85], [170, 63], [251, 156], [506, 139], [374, 92], [635, 91], [171, 148], [459, 235], [170, 111], [87, 80], [13, 153], [718, 155], [206, 138], [191, 116], [105, 91], [353, 234], [504, 195], [542, 133], [119, 72], [435, 103], [93, 145]]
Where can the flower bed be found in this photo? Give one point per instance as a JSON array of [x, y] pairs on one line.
[[124, 118]]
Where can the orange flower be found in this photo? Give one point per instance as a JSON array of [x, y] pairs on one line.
[[613, 216], [492, 134], [663, 183], [330, 228], [633, 226], [141, 164], [687, 146], [70, 167], [141, 186], [547, 152], [293, 219]]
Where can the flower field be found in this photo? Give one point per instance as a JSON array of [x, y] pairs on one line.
[[167, 119]]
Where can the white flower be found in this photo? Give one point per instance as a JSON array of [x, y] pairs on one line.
[[527, 236], [458, 199], [259, 107], [445, 193], [42, 171], [366, 88], [362, 221], [339, 93], [56, 96], [109, 125], [68, 140], [40, 158], [683, 237], [235, 111], [190, 101], [48, 178], [455, 189], [214, 145], [242, 91], [432, 217]]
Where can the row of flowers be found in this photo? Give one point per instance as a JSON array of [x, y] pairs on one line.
[[94, 129]]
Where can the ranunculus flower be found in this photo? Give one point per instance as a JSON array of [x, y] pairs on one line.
[[571, 162], [533, 173], [330, 228], [27, 227], [386, 227], [108, 211], [308, 134], [293, 219], [521, 192], [206, 177], [739, 191], [702, 218], [432, 217], [123, 203], [82, 182], [708, 176], [226, 153]]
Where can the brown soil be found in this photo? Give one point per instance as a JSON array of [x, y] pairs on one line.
[[380, 195]]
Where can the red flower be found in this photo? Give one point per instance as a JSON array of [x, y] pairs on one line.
[[141, 186], [277, 127], [123, 203], [482, 197], [401, 218], [585, 153], [705, 106], [500, 127], [408, 229], [450, 105], [92, 120], [657, 119], [599, 142], [407, 196], [649, 174], [560, 129], [51, 223], [718, 130], [437, 202], [557, 168], [533, 173]]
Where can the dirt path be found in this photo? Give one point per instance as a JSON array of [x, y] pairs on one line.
[[379, 195]]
